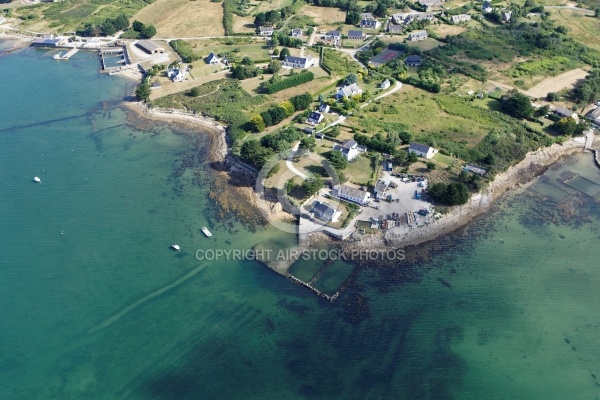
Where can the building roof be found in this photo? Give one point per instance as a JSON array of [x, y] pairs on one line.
[[393, 27], [149, 46], [418, 33], [296, 60], [594, 114], [421, 148], [315, 116], [386, 83], [487, 4], [367, 16], [355, 33], [381, 186], [563, 111], [350, 144], [413, 59], [349, 90], [212, 56], [323, 210], [297, 31], [352, 192], [334, 33]]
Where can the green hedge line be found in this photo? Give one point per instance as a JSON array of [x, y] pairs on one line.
[[294, 80]]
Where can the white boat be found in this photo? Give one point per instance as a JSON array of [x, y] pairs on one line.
[[36, 179], [206, 231], [175, 247], [59, 56]]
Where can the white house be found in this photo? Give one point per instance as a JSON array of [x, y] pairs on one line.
[[325, 211], [417, 36], [298, 62], [369, 23], [324, 108], [334, 36], [266, 31], [506, 15], [355, 195], [314, 118], [350, 149], [407, 18], [487, 8], [422, 150], [457, 19], [212, 59], [356, 35], [430, 3], [348, 91], [176, 74], [296, 32], [385, 84]]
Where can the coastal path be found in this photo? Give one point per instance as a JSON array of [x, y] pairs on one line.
[[290, 165]]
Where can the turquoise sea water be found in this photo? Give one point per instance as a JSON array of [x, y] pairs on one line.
[[94, 304]]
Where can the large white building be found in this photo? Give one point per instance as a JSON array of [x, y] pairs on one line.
[[354, 195], [350, 149]]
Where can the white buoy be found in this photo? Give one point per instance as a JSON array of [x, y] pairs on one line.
[[36, 179]]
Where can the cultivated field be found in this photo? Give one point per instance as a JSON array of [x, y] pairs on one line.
[[557, 83], [183, 18], [254, 48], [324, 15], [445, 30], [582, 28]]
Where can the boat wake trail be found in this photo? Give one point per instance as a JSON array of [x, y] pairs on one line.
[[114, 318]]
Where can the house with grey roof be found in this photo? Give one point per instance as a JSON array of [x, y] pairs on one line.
[[296, 32], [417, 36], [314, 118], [325, 211], [356, 35], [350, 150], [298, 62], [369, 23], [212, 59], [266, 31], [595, 116], [457, 19], [385, 84], [487, 8], [353, 194], [395, 29], [348, 91], [422, 150], [380, 188], [333, 36], [429, 4], [413, 61], [564, 113], [506, 15]]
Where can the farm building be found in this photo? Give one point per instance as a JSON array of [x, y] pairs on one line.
[[150, 47]]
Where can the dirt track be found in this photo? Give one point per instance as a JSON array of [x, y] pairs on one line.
[[566, 80]]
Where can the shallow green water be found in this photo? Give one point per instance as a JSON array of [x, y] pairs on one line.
[[508, 309]]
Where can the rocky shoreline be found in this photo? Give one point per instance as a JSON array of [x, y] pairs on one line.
[[241, 185]]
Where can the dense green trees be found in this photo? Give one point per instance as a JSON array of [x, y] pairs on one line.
[[142, 92], [589, 90], [308, 143], [517, 105], [255, 154], [276, 84], [274, 66], [337, 159], [454, 193], [185, 50], [352, 18], [301, 101], [242, 71]]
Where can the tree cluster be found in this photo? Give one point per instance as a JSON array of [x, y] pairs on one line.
[[108, 27], [288, 41], [452, 194], [144, 31], [516, 104], [246, 69], [277, 84], [589, 90], [185, 50]]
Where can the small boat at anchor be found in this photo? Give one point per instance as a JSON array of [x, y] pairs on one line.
[[175, 247], [60, 56], [37, 180], [206, 232]]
